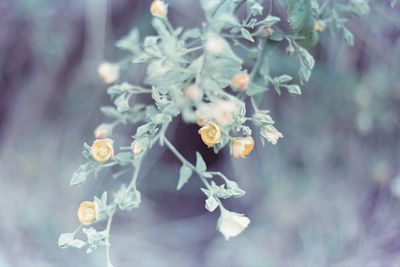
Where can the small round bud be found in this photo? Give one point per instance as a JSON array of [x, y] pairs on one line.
[[108, 72], [100, 133], [319, 26], [193, 93], [159, 9], [267, 32], [240, 81], [214, 44], [136, 148], [87, 212]]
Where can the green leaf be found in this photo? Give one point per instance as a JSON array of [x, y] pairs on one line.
[[123, 158], [127, 199], [293, 89], [255, 89], [200, 164], [184, 175], [246, 34], [301, 22], [348, 36], [68, 240], [81, 174], [269, 21]]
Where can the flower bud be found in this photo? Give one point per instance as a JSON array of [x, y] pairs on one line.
[[224, 112], [240, 81], [159, 8], [136, 147], [210, 134], [271, 134], [319, 26], [193, 93], [267, 32], [241, 147], [108, 72], [87, 212], [102, 150], [214, 44]]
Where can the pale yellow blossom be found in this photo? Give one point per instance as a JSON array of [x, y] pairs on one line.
[[102, 150], [87, 212], [210, 134], [241, 147]]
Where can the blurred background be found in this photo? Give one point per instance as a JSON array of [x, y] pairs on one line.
[[328, 194]]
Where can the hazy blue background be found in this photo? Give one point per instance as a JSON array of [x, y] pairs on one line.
[[326, 195]]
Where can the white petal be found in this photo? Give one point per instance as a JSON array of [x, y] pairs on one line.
[[231, 224]]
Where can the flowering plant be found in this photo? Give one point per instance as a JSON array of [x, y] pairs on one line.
[[198, 74]]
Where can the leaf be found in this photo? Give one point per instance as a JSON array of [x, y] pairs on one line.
[[246, 34], [81, 174], [301, 22], [130, 42], [255, 89], [293, 89], [110, 111], [123, 158], [348, 36], [211, 204], [200, 164], [269, 21], [68, 240], [184, 175]]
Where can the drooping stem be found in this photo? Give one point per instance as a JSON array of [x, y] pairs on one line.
[[108, 227], [186, 162]]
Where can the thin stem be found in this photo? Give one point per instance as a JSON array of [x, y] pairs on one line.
[[138, 163], [260, 59], [108, 227], [186, 162], [220, 174], [271, 7]]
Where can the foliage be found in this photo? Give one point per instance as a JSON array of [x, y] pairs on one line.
[[198, 75]]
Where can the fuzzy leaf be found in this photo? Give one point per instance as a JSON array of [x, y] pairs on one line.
[[184, 175]]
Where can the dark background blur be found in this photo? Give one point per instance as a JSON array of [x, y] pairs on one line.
[[327, 194]]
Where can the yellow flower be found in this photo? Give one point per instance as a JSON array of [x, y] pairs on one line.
[[158, 8], [108, 72], [241, 147], [102, 150], [210, 134], [319, 26], [240, 81], [87, 212]]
